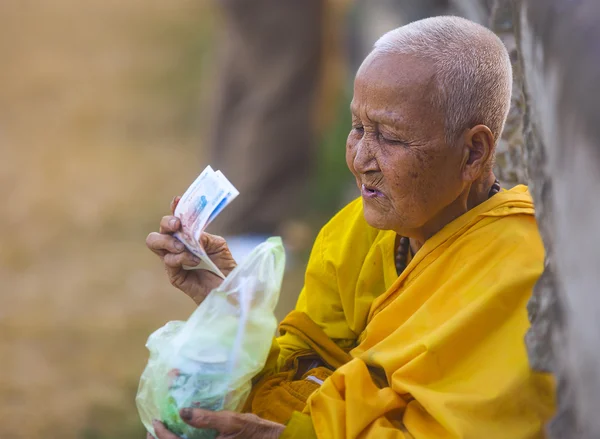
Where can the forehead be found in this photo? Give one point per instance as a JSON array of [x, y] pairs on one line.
[[396, 85]]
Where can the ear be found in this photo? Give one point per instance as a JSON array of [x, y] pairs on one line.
[[478, 150]]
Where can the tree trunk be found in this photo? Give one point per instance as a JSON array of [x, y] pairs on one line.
[[552, 140], [559, 43]]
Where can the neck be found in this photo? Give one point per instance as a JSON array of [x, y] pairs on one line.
[[477, 194], [480, 190]]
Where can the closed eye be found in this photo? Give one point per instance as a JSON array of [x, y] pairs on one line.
[[392, 141]]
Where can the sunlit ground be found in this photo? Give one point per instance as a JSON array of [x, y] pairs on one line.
[[103, 111], [101, 123]]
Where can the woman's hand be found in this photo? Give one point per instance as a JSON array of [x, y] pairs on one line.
[[195, 283], [230, 425]]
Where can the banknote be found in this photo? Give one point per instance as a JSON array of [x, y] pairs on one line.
[[208, 195]]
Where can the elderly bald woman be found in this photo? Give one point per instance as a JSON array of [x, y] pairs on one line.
[[412, 317]]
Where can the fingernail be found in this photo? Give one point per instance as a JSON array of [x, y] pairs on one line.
[[196, 260], [155, 422], [173, 223], [186, 414], [179, 245]]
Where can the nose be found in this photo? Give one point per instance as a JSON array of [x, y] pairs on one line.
[[364, 160]]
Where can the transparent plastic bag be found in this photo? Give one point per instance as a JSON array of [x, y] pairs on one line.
[[210, 360]]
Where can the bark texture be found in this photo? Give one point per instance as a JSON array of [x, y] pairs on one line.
[[510, 161], [559, 44], [552, 142]]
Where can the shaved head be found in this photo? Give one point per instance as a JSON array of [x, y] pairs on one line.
[[432, 84], [472, 72]]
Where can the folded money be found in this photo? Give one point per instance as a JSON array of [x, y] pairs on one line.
[[208, 195]]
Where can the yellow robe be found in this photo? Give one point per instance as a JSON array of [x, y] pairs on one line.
[[445, 338]]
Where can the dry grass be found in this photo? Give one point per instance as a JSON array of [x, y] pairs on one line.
[[98, 130]]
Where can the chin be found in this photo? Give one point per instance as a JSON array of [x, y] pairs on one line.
[[376, 219]]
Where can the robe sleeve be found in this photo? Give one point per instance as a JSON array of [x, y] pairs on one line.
[[321, 301], [300, 426]]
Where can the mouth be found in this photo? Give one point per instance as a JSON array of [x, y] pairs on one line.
[[370, 192]]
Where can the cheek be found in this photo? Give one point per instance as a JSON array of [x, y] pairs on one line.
[[402, 171], [431, 183], [409, 178]]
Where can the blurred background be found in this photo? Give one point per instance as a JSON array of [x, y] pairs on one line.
[[109, 109]]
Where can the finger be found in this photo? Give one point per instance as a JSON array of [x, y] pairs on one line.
[[212, 243], [225, 422], [178, 260], [174, 203], [169, 224], [161, 244], [162, 432]]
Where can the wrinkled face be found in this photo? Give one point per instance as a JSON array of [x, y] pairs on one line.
[[396, 148]]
